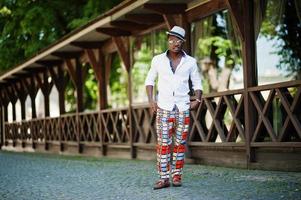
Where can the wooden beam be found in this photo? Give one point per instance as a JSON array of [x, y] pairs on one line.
[[148, 19], [3, 97], [164, 8], [114, 31], [71, 70], [152, 28], [98, 66], [235, 9], [169, 20], [17, 77], [35, 69], [88, 45], [205, 10], [42, 81], [128, 25], [22, 73], [11, 94], [39, 82], [11, 79], [94, 63], [49, 63], [75, 72], [32, 88], [122, 45], [54, 76], [22, 91], [186, 25], [60, 83], [67, 54], [108, 47]]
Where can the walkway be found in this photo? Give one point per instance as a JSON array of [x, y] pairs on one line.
[[37, 176]]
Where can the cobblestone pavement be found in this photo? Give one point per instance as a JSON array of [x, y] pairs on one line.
[[40, 176]]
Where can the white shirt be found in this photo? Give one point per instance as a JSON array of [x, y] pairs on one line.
[[173, 88]]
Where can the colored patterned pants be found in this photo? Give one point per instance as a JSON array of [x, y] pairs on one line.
[[169, 124]]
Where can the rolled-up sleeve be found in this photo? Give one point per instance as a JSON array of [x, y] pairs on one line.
[[195, 77], [152, 74]]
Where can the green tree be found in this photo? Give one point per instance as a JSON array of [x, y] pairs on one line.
[[28, 26], [214, 46], [285, 28]]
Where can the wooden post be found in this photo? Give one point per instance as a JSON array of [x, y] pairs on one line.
[[33, 95], [1, 125], [79, 87], [45, 88], [6, 112], [5, 119], [243, 14], [79, 99], [250, 75], [32, 90], [20, 91], [98, 66], [60, 83], [12, 97], [46, 91], [1, 118], [4, 100], [61, 90], [77, 79], [102, 82], [124, 51]]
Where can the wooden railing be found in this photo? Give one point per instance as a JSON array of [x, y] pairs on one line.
[[219, 120], [279, 114], [144, 130]]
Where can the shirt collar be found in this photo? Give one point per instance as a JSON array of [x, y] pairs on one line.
[[183, 53]]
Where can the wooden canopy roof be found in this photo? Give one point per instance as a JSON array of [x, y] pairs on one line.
[[131, 17]]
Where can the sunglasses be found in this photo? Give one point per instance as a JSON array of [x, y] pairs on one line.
[[175, 41]]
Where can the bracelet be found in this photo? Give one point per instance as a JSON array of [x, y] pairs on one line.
[[198, 100]]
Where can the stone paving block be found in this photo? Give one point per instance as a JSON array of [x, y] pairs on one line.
[[46, 176]]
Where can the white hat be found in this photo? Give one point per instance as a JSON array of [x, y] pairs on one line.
[[178, 32]]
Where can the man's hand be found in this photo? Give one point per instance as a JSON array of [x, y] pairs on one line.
[[153, 107], [194, 105], [198, 96]]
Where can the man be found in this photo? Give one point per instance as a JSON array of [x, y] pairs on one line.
[[173, 69]]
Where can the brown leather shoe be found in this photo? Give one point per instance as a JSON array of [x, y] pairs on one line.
[[177, 181], [162, 183]]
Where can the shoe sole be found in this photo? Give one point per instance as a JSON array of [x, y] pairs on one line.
[[165, 186]]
